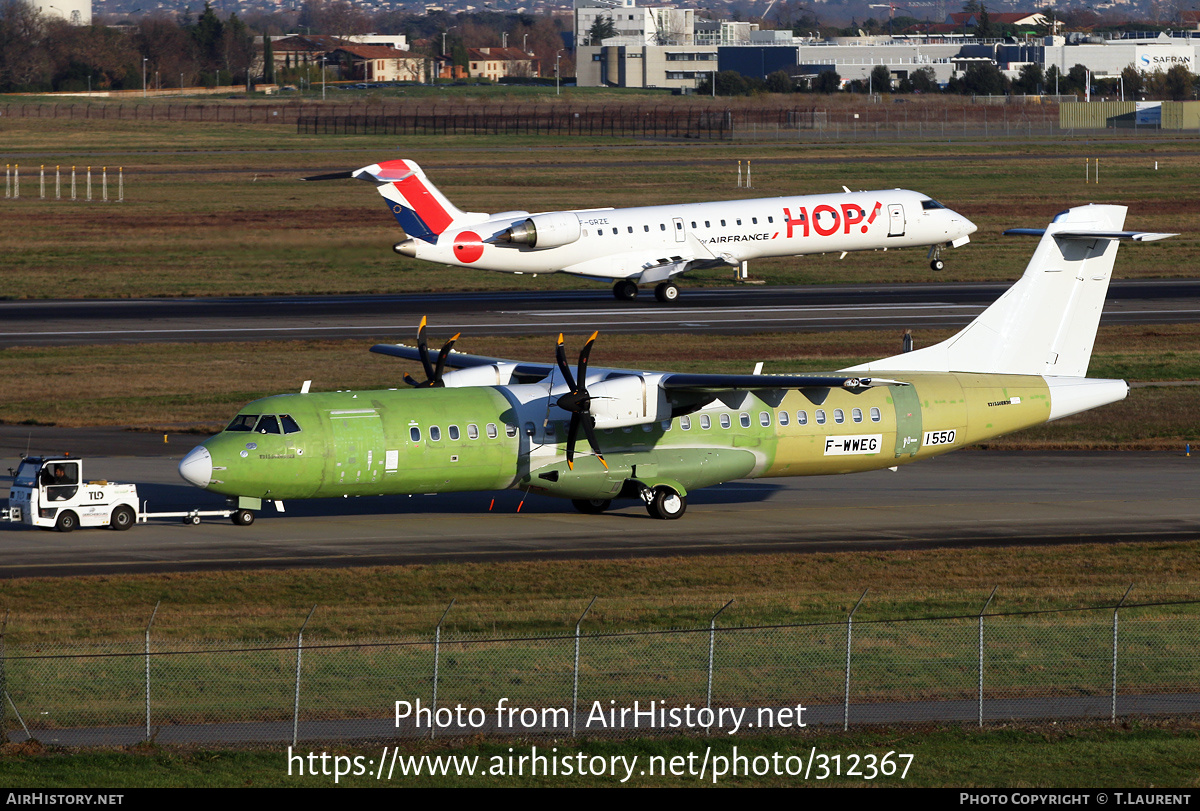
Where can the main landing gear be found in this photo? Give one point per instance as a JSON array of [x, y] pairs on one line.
[[625, 290]]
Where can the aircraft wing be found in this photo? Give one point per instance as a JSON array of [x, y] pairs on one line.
[[521, 372]]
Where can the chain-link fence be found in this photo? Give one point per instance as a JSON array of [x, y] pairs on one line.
[[1100, 662]]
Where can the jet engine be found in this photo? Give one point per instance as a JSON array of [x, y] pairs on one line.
[[545, 230]]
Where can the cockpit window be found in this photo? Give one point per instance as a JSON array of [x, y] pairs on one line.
[[268, 424], [289, 424], [931, 205], [243, 422]]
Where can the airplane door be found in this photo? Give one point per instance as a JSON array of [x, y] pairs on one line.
[[358, 445], [908, 419], [895, 220], [680, 235]]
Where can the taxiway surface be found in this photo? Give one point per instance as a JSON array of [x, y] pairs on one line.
[[970, 498]]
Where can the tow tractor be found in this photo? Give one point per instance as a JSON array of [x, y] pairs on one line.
[[50, 492]]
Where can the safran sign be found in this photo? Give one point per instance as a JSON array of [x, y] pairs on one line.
[[853, 445], [1163, 57]]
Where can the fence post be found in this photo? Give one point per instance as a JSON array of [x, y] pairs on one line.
[[153, 614], [712, 640], [89, 184], [42, 182], [985, 607], [104, 184], [575, 679], [120, 184], [437, 646], [72, 183], [849, 635], [7, 181], [1114, 668], [16, 181], [57, 182], [299, 651]]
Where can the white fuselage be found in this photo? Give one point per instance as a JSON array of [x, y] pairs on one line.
[[653, 243]]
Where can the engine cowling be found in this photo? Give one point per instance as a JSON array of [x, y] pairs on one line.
[[627, 400], [545, 230]]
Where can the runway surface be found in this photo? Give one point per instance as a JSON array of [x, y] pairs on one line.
[[966, 499], [713, 310]]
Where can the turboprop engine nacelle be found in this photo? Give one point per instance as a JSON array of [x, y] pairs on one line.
[[545, 230], [627, 400], [495, 374]]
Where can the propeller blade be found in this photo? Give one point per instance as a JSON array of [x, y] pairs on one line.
[[583, 360], [560, 354], [589, 425], [423, 347], [436, 380], [572, 435], [412, 381]]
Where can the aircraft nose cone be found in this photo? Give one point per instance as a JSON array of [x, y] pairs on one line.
[[197, 466]]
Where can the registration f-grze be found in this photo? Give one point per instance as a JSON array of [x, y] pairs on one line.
[[650, 245], [594, 435]]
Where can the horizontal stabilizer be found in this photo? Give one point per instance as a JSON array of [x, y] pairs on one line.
[[348, 175], [1135, 236]]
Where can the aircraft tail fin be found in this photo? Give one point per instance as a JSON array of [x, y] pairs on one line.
[[1046, 323], [422, 211]]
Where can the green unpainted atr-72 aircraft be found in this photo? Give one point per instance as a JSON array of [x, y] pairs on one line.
[[656, 436]]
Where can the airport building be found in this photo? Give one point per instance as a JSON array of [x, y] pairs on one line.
[[639, 55]]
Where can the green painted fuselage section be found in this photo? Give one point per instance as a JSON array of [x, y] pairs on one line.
[[489, 438]]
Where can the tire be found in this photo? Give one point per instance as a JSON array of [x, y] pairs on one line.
[[122, 518], [625, 290], [937, 264], [191, 520], [666, 292], [243, 518], [591, 506], [666, 504], [67, 521]]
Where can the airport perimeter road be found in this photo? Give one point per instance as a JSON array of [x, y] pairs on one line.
[[968, 498], [721, 310]]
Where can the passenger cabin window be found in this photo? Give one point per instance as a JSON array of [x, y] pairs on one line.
[[725, 423], [631, 229], [491, 430], [856, 415], [662, 226], [722, 223], [739, 220], [435, 434], [472, 431], [510, 430], [820, 416], [802, 418], [770, 219], [693, 225], [707, 224], [414, 433], [744, 419], [685, 423], [783, 418], [839, 416], [453, 431], [764, 418], [243, 422], [875, 417], [268, 424], [646, 228], [705, 421], [754, 220]]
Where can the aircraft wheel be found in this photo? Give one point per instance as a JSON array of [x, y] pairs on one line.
[[591, 506], [122, 518], [625, 290], [67, 521], [937, 264], [666, 504], [243, 518], [666, 292], [191, 520]]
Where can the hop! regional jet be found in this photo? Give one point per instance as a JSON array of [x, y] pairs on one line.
[[650, 245], [655, 437]]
